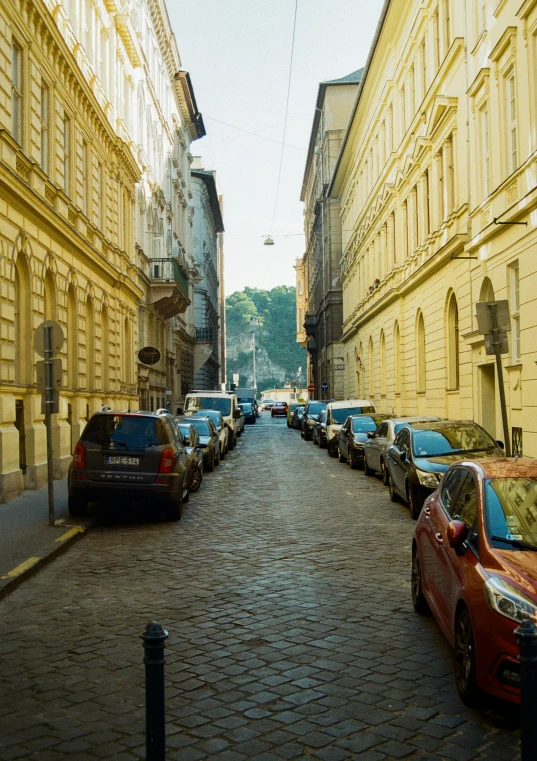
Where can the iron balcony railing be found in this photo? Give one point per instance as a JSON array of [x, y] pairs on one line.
[[205, 334], [168, 270]]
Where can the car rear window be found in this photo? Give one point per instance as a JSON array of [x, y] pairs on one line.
[[316, 407], [222, 404], [340, 414], [363, 424], [246, 407], [201, 426], [126, 431]]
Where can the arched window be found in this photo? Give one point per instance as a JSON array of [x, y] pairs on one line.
[[420, 344], [397, 357], [371, 369], [105, 349], [72, 339], [487, 291], [453, 343], [127, 350], [382, 363], [361, 371], [50, 305], [23, 297], [90, 345]]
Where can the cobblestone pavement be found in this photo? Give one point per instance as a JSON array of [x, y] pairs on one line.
[[285, 589]]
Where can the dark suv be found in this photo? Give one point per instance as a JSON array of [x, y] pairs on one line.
[[314, 407], [138, 456]]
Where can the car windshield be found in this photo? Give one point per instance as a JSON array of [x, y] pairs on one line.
[[216, 417], [220, 403], [316, 407], [451, 440], [201, 426], [364, 424], [126, 431], [246, 407], [511, 512], [340, 414]]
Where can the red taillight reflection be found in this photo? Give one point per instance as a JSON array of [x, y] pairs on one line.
[[166, 461], [79, 457]]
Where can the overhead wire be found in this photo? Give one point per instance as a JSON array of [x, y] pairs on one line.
[[247, 132], [285, 119]]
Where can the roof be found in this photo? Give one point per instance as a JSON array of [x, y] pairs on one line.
[[210, 182], [183, 86], [353, 78], [506, 467]]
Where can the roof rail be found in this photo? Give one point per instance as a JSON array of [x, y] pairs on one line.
[[161, 411], [105, 408]]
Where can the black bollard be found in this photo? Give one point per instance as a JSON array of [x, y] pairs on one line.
[[526, 634], [155, 722]]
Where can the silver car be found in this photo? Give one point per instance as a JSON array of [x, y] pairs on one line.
[[379, 440]]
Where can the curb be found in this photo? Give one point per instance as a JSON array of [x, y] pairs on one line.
[[73, 535]]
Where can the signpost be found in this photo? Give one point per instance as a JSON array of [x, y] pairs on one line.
[[48, 341], [494, 321], [324, 387], [311, 388]]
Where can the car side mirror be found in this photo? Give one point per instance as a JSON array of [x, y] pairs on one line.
[[371, 434], [403, 456], [457, 531], [237, 414], [500, 444]]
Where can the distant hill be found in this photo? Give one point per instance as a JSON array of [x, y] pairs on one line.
[[271, 316]]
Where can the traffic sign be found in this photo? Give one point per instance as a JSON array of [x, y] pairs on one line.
[[311, 388], [56, 338], [324, 386], [485, 319]]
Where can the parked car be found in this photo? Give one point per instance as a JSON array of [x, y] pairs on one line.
[[422, 452], [312, 410], [247, 395], [279, 409], [290, 409], [249, 412], [221, 427], [474, 564], [352, 436], [379, 440], [296, 420], [221, 401], [318, 435], [138, 456], [337, 413], [194, 450], [266, 404], [209, 440]]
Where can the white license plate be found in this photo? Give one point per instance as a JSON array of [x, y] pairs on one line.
[[121, 460]]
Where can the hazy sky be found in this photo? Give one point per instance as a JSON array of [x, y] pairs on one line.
[[238, 53]]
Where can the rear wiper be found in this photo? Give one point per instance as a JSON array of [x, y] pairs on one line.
[[114, 444], [514, 543]]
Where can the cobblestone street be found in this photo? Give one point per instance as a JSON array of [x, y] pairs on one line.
[[285, 590]]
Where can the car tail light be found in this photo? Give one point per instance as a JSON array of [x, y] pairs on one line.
[[166, 461], [79, 457]]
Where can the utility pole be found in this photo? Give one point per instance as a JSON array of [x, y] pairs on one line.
[[253, 350]]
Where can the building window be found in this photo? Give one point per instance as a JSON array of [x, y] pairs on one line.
[[420, 341], [485, 149], [397, 357], [393, 238], [427, 203], [515, 311], [382, 364], [67, 155], [512, 159], [436, 40], [99, 199], [416, 235], [450, 189], [423, 70], [441, 193], [44, 126], [371, 369], [85, 165], [16, 92], [453, 343], [482, 15], [403, 111]]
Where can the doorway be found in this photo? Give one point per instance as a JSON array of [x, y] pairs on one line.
[[488, 398], [19, 425]]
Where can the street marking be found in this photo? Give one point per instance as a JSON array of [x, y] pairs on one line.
[[72, 532], [21, 568]]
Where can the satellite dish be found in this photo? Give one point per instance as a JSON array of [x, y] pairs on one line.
[[268, 241]]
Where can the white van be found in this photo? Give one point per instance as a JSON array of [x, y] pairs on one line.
[[224, 402], [337, 413]]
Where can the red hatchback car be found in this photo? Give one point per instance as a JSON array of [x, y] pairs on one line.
[[279, 408], [474, 564]]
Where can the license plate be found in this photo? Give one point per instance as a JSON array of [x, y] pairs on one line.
[[121, 460]]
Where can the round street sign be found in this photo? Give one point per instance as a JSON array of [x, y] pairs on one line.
[[149, 355], [56, 338], [311, 388], [324, 386]]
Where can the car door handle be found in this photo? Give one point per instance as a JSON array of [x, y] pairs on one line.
[[427, 510], [439, 538]]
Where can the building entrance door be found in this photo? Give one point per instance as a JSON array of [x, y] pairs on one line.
[[19, 425], [488, 398]]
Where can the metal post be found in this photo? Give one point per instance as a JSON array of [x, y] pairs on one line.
[[253, 349], [49, 401], [499, 370], [526, 634], [153, 637]]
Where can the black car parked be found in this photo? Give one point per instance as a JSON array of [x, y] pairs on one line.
[[195, 453], [318, 435], [313, 409], [209, 439], [422, 452], [352, 436], [249, 412], [138, 456]]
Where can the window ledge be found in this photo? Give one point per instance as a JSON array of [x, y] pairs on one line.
[[514, 366], [452, 391]]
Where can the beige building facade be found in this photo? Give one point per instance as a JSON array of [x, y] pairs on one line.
[[436, 181]]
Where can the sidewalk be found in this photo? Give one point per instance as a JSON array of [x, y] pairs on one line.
[[27, 542]]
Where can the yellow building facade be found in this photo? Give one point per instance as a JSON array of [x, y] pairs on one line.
[[67, 195], [438, 193]]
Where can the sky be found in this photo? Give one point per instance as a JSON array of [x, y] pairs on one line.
[[238, 54]]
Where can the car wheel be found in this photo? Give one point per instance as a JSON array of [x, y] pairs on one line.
[[217, 457], [186, 496], [302, 433], [331, 450], [222, 453], [77, 506], [419, 602], [174, 509], [412, 502], [288, 424], [196, 480], [383, 472], [464, 659], [367, 470], [209, 464], [393, 494], [340, 457], [353, 462]]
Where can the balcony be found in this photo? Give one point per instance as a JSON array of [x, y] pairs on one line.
[[168, 289], [205, 335], [310, 324]]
